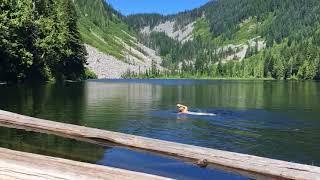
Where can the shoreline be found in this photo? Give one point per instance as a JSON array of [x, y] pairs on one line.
[[191, 78], [160, 78]]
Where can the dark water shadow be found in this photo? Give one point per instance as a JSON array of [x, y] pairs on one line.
[[108, 154]]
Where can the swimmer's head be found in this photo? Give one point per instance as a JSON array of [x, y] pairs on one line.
[[182, 108]]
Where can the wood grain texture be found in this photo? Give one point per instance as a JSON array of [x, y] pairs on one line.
[[20, 165], [255, 164]]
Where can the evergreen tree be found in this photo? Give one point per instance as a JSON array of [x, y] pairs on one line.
[[40, 41]]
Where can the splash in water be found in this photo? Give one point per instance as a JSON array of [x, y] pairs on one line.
[[182, 109], [199, 114]]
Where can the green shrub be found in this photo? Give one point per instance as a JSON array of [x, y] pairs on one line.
[[90, 74]]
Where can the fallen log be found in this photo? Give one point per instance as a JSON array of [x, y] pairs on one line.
[[20, 165], [249, 163]]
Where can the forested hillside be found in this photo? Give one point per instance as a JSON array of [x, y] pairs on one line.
[[239, 39], [102, 27], [40, 41], [45, 40]]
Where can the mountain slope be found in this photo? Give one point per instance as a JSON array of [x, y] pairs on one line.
[[279, 37], [103, 28]]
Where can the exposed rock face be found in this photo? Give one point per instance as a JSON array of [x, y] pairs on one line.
[[109, 67], [167, 27], [241, 49]]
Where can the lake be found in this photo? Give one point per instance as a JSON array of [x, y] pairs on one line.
[[275, 119]]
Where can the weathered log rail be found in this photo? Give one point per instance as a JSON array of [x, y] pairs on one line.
[[249, 163], [27, 166]]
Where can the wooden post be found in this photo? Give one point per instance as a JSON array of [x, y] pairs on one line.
[[260, 165]]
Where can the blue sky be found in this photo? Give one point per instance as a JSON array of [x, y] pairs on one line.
[[154, 6]]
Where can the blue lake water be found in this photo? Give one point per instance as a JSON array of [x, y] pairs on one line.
[[274, 119]]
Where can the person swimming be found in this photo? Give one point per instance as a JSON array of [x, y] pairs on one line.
[[182, 109]]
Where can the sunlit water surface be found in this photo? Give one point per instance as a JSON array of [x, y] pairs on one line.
[[274, 119]]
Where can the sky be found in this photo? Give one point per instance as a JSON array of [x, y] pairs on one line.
[[165, 7]]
